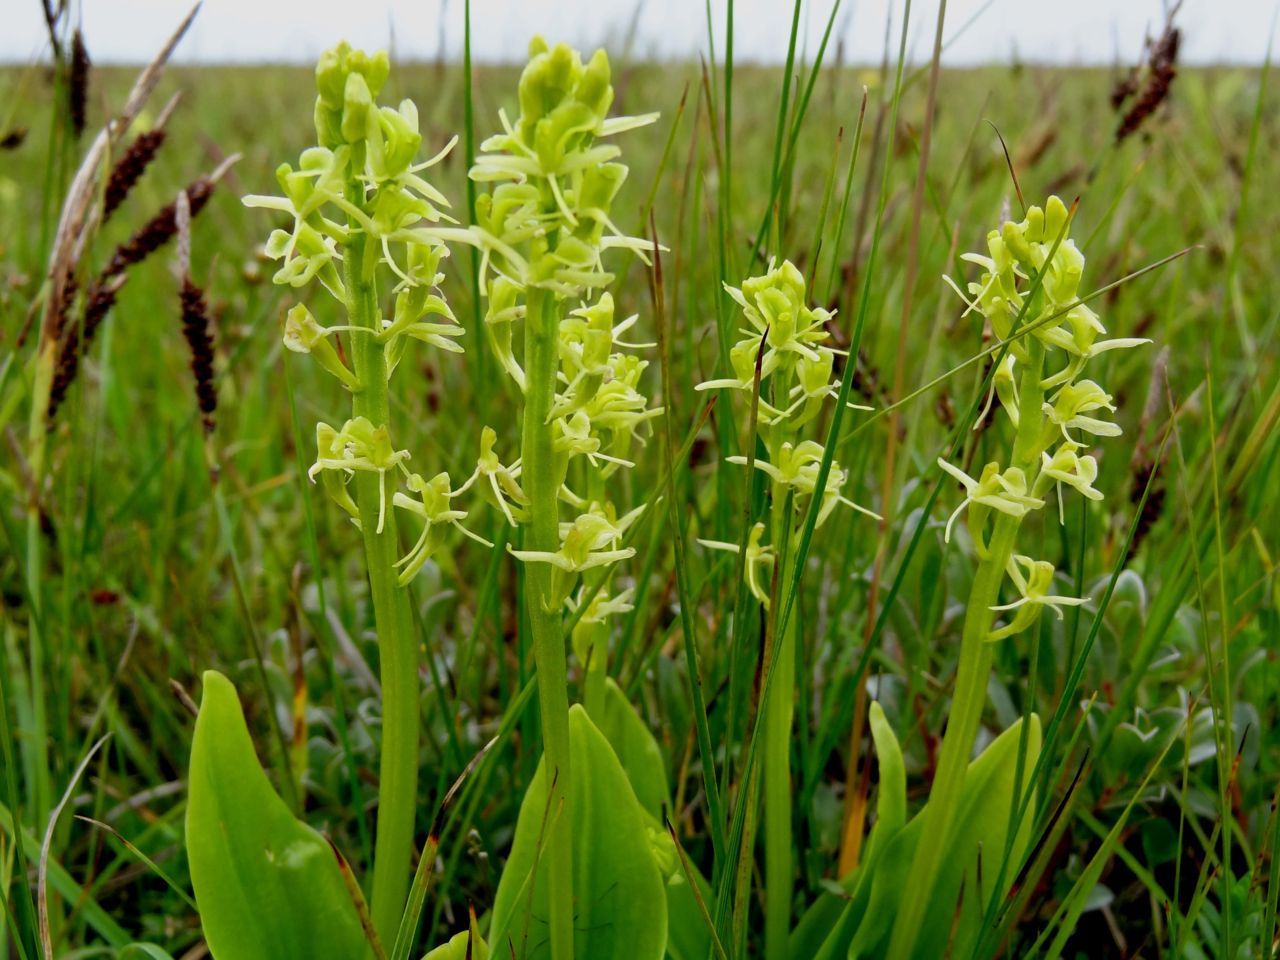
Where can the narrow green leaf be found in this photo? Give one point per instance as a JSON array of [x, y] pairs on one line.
[[891, 805]]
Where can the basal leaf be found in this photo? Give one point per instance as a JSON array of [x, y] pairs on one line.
[[620, 905], [460, 947], [688, 937], [971, 864], [268, 886], [833, 921], [636, 749], [978, 851]]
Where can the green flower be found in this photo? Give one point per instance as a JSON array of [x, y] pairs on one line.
[[348, 81], [798, 468], [759, 562], [358, 447], [996, 490], [1034, 588], [331, 448], [304, 334], [788, 340], [593, 539], [1066, 466], [774, 306], [498, 483], [434, 507], [1071, 406], [555, 185]]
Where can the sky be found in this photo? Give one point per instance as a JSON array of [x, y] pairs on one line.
[[977, 31]]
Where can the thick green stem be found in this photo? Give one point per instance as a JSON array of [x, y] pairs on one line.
[[972, 673], [541, 480], [397, 644], [779, 865]]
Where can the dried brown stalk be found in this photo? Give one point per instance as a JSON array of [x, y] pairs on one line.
[[81, 216]]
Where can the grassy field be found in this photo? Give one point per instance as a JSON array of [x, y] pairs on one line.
[[141, 554]]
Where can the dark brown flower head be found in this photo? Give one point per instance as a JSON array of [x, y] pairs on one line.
[[196, 323], [197, 329], [1162, 68], [158, 231], [130, 168], [99, 300], [78, 83]]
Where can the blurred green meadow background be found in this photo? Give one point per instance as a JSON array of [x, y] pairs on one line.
[[146, 578]]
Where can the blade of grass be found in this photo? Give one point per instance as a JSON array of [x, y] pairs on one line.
[[707, 754]]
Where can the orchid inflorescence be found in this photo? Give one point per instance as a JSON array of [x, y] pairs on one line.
[[1031, 275], [789, 342], [547, 221], [361, 180], [544, 227]]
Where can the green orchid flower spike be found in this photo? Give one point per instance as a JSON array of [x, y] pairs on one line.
[[544, 232], [790, 341], [365, 231], [1029, 290]]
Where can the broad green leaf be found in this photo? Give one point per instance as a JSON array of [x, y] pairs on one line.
[[268, 886], [460, 947], [970, 867], [688, 937], [973, 864], [636, 749], [620, 905]]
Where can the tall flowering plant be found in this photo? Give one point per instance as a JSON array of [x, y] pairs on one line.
[[544, 229], [361, 236], [1028, 292], [370, 231], [788, 342]]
